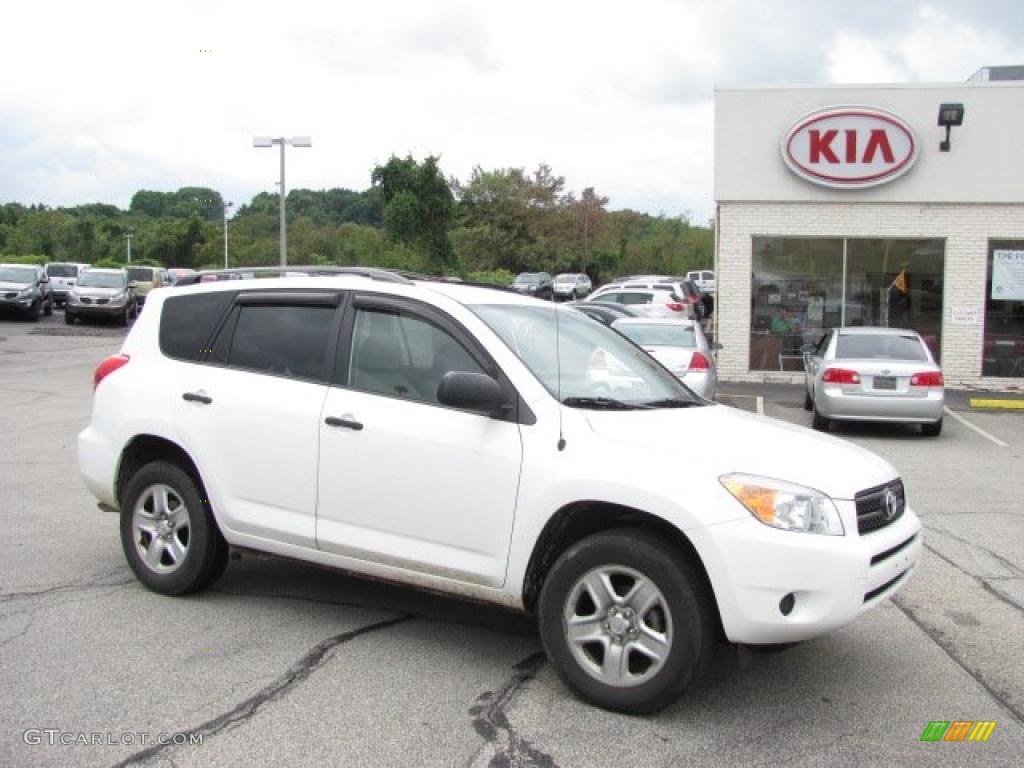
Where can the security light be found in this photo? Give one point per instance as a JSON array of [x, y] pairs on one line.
[[262, 141], [949, 115]]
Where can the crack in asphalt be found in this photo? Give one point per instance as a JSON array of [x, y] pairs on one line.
[[245, 710], [948, 648], [98, 583], [491, 721], [982, 580], [1008, 564]]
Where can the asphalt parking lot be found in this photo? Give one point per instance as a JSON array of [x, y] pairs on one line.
[[286, 664]]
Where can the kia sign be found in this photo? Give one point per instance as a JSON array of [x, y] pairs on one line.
[[849, 147]]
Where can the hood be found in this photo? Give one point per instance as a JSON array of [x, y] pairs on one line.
[[723, 440], [7, 287], [95, 292]]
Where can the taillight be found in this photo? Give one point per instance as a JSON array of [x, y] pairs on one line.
[[676, 306], [840, 376], [107, 367], [927, 379], [698, 362]]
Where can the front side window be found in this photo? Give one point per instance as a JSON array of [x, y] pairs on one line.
[[583, 363], [402, 355], [283, 340]]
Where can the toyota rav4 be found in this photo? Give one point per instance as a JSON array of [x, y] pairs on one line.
[[493, 446]]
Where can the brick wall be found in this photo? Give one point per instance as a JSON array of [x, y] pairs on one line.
[[965, 228]]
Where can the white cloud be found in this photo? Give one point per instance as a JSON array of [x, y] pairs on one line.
[[105, 97]]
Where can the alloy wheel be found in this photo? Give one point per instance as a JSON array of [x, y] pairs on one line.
[[161, 528]]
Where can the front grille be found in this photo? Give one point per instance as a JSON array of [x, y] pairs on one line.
[[102, 301], [894, 550], [873, 513], [86, 300], [10, 295]]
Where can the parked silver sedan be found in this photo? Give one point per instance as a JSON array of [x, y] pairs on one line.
[[873, 374], [679, 345]]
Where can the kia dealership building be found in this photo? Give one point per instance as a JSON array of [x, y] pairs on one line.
[[846, 205]]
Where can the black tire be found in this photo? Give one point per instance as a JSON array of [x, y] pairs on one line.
[[36, 310], [122, 319], [819, 422], [808, 403], [690, 618], [932, 430], [205, 553], [69, 317], [49, 307]]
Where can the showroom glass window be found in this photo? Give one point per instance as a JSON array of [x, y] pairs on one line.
[[1003, 353], [801, 287]]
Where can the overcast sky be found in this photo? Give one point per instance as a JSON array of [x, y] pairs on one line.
[[99, 99]]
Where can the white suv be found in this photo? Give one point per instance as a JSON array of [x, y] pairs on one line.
[[491, 446]]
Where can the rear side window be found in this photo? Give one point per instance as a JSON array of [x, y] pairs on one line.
[[635, 298], [187, 323], [281, 339], [880, 346]]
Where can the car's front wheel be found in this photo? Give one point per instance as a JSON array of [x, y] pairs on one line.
[[168, 533], [627, 621], [69, 316], [49, 306], [932, 430]]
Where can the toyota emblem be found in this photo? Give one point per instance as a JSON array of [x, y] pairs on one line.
[[890, 505]]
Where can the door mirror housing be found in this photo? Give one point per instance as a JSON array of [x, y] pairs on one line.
[[471, 391]]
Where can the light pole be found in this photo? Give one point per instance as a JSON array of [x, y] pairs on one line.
[[128, 242], [295, 141], [226, 206]]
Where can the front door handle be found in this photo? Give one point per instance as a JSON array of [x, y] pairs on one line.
[[334, 421], [197, 397]]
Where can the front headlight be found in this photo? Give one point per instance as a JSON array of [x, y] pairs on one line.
[[24, 293], [119, 298], [785, 505]]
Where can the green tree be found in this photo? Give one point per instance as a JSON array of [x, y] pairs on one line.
[[418, 207]]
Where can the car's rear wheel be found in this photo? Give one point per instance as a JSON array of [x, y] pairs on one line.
[[819, 422], [168, 533], [808, 403], [69, 317], [627, 621], [932, 430]]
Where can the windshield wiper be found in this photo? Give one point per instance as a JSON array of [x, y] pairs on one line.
[[602, 403], [672, 403]]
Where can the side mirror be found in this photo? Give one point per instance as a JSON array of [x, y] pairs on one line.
[[132, 284], [44, 279], [717, 346], [472, 391], [807, 349]]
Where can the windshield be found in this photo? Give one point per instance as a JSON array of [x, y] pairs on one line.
[[101, 280], [599, 368], [529, 279], [140, 274], [62, 270], [26, 275], [565, 279], [880, 346], [658, 334]]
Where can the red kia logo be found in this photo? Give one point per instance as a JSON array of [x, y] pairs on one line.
[[849, 147]]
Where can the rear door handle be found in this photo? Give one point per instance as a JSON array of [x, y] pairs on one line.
[[197, 397], [334, 421]]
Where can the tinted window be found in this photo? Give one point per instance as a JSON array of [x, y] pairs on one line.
[[188, 323], [885, 346], [402, 355], [286, 340], [62, 270], [635, 298], [141, 274]]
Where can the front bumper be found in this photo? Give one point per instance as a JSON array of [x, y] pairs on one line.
[[833, 579], [16, 305], [833, 403], [96, 310]]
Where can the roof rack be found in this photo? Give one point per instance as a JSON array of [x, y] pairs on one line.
[[242, 273]]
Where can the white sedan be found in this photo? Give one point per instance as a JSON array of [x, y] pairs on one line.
[[679, 345]]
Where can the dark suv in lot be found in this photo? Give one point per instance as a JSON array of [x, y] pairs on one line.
[[25, 288], [537, 284]]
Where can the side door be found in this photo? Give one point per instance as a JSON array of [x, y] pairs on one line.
[[405, 481], [250, 413]]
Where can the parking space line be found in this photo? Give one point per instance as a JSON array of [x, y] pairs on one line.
[[977, 429]]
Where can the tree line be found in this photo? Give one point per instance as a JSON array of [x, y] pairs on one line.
[[490, 226]]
